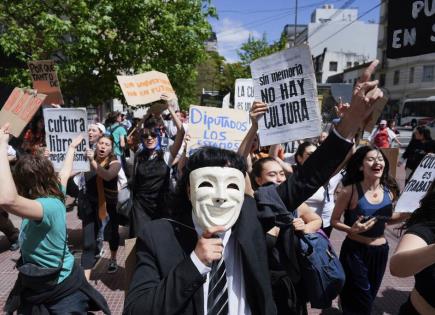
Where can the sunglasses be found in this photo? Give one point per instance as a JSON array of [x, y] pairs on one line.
[[151, 134]]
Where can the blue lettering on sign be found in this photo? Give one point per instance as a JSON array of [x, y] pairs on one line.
[[197, 117]]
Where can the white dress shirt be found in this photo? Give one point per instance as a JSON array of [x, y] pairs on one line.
[[237, 304]]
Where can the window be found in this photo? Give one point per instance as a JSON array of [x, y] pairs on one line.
[[411, 75], [333, 65], [396, 77], [356, 63], [428, 72], [348, 64]]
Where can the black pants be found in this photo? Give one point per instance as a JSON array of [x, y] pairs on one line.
[[111, 232], [364, 267], [91, 246], [7, 227]]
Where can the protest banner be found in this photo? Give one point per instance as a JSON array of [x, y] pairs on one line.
[[145, 88], [217, 127], [411, 28], [392, 155], [417, 186], [62, 125], [45, 80], [286, 82], [244, 94], [20, 108]]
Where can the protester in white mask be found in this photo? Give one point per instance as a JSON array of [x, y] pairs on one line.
[[177, 258]]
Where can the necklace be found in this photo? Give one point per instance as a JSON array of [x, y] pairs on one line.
[[374, 191]]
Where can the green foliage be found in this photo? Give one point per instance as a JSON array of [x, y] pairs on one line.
[[93, 41], [256, 48]]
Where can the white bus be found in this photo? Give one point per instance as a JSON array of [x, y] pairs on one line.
[[416, 111]]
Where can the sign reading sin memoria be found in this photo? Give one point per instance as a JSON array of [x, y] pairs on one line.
[[411, 28]]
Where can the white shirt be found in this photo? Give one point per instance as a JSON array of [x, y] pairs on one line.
[[237, 304], [329, 199]]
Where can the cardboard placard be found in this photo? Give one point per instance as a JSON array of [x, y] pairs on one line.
[[244, 94], [44, 78], [20, 108], [145, 88], [392, 155], [217, 127], [62, 125], [287, 83], [417, 186]]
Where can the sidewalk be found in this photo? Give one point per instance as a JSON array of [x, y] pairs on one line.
[[392, 294]]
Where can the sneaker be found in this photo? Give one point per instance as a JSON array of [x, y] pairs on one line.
[[14, 246], [113, 267]]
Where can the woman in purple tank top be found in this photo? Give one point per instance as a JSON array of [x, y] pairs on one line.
[[367, 204]]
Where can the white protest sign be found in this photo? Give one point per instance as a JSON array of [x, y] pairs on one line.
[[216, 127], [286, 82], [417, 186], [62, 125], [244, 94]]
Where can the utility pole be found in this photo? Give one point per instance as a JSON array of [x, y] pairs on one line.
[[296, 22]]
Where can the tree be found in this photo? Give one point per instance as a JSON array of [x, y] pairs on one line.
[[256, 48], [93, 41]]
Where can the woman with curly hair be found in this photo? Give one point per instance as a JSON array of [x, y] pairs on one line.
[[415, 256], [366, 201]]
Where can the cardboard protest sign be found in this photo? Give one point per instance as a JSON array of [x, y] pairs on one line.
[[145, 88], [411, 28], [244, 94], [62, 125], [217, 127], [45, 80], [286, 82], [392, 155], [417, 186], [20, 108]]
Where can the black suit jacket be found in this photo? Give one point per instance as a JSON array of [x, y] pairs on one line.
[[167, 282]]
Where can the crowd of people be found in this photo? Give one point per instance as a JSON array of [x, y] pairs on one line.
[[217, 231]]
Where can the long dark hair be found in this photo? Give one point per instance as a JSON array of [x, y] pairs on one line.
[[301, 149], [34, 177], [354, 174], [203, 157], [426, 212]]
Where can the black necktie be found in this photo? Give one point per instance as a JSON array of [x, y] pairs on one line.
[[217, 301]]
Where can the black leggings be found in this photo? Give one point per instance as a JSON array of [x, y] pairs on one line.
[[364, 267], [90, 227], [111, 232]]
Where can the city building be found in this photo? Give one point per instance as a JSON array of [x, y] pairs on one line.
[[211, 43], [331, 37]]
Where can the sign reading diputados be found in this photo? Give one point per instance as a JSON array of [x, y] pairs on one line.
[[417, 186], [62, 125], [216, 127], [244, 94], [286, 82]]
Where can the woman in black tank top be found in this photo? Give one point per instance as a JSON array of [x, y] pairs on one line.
[[415, 255], [367, 204]]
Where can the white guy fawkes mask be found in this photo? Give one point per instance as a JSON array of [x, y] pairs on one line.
[[217, 195]]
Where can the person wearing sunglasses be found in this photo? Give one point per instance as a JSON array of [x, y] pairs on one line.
[[151, 171]]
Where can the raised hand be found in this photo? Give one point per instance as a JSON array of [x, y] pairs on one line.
[[257, 111], [364, 95]]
